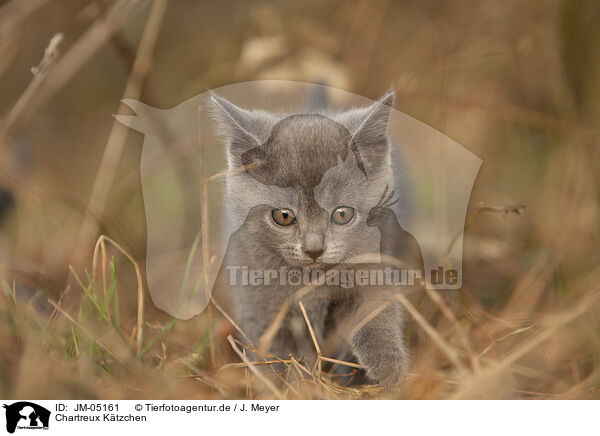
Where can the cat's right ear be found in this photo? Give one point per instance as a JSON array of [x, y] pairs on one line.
[[236, 124]]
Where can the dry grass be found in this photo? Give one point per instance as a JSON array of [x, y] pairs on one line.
[[468, 355], [515, 85]]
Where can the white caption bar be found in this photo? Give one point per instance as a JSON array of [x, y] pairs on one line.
[[299, 417]]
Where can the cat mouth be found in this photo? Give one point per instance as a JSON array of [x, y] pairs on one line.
[[306, 263], [318, 264], [315, 264]]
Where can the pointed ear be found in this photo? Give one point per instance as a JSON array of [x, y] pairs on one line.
[[370, 136], [241, 127]]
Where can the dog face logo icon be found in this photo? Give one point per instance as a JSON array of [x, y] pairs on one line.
[[26, 415]]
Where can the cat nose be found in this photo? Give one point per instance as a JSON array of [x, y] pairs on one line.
[[312, 245], [314, 253]]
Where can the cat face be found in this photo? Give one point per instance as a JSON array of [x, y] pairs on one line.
[[303, 184]]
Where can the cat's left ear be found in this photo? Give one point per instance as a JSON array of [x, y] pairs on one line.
[[370, 133], [242, 127]]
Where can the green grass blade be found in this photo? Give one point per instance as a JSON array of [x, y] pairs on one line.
[[116, 308], [110, 292], [166, 328], [186, 274], [86, 289]]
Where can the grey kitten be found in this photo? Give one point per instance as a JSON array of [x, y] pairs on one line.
[[313, 191]]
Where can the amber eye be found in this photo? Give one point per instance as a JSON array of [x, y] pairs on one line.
[[342, 215], [283, 217]]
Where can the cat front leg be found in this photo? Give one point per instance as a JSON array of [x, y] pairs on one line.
[[379, 345], [316, 305]]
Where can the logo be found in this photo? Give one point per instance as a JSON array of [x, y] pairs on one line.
[[26, 415]]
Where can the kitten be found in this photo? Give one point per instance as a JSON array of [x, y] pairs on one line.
[[314, 191]]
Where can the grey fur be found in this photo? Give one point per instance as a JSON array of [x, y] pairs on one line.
[[312, 164]]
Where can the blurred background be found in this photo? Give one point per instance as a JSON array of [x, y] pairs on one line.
[[514, 82]]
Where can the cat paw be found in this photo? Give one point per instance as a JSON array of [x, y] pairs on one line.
[[386, 368]]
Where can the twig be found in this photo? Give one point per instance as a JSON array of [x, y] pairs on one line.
[[431, 332], [317, 366], [310, 328], [202, 376], [495, 342], [256, 372], [118, 134], [232, 322], [341, 362], [51, 54], [36, 96], [237, 365], [267, 337], [518, 209], [204, 219], [449, 315]]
